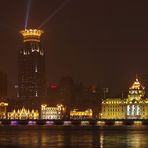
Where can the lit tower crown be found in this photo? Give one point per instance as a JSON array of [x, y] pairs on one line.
[[32, 34], [137, 85], [136, 91]]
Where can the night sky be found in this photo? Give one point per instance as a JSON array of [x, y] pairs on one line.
[[93, 41]]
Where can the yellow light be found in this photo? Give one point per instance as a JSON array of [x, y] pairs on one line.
[[137, 122], [136, 85], [118, 122], [23, 114], [31, 34], [3, 104], [84, 123], [100, 123]]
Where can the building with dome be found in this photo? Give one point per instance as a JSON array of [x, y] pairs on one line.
[[135, 106]]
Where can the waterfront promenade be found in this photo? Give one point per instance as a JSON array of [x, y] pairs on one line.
[[91, 122]]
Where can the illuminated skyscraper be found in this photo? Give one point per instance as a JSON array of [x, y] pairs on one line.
[[31, 65]]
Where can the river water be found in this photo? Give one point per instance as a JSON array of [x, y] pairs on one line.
[[73, 137]]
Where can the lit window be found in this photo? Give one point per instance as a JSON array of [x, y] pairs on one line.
[[36, 69]]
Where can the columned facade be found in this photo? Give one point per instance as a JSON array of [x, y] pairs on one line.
[[135, 106]]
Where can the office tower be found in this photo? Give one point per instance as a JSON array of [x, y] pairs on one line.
[[31, 65]]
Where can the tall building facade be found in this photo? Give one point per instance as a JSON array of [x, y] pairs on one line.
[[135, 106], [31, 65]]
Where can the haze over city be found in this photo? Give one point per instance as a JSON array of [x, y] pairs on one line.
[[73, 73], [99, 42]]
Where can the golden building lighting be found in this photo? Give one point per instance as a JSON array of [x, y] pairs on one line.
[[135, 106], [77, 114], [57, 112], [32, 34], [31, 65], [3, 110], [23, 114]]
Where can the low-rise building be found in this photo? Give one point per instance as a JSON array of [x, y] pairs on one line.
[[77, 114], [23, 114], [48, 112], [113, 108], [3, 110], [135, 106]]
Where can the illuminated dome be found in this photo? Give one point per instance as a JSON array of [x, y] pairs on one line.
[[32, 34], [137, 85]]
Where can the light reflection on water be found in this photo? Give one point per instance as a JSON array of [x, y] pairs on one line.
[[87, 137]]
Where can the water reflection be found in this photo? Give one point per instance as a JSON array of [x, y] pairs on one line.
[[137, 139], [58, 136], [101, 140]]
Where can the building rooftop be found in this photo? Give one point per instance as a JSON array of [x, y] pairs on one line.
[[32, 34], [137, 85]]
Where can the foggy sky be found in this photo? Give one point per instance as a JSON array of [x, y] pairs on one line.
[[93, 41]]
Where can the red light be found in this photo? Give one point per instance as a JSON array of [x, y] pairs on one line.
[[53, 85]]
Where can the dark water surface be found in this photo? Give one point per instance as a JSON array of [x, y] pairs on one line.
[[75, 137]]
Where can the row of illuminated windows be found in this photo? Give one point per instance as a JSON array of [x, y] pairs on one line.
[[113, 107], [110, 107], [117, 114], [113, 102], [48, 109], [113, 110], [118, 105], [50, 112], [78, 117]]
